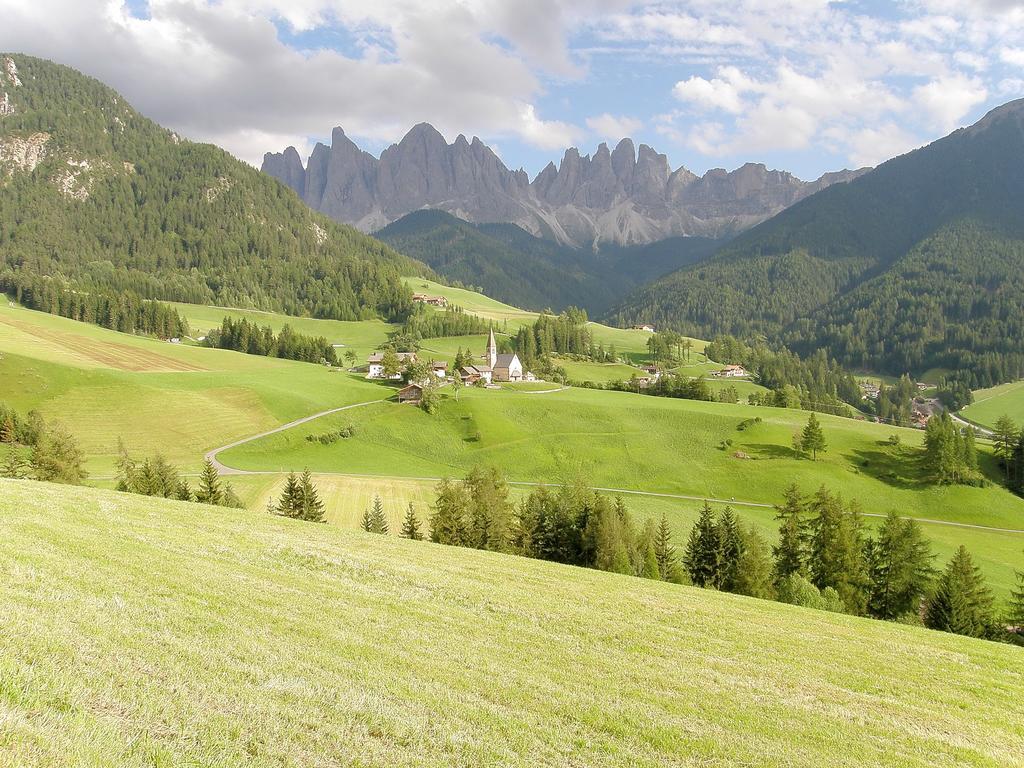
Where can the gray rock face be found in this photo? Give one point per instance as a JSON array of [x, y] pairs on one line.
[[619, 196]]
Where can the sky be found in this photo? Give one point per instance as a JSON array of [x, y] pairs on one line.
[[807, 86]]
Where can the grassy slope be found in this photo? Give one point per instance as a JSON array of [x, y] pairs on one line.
[[140, 632], [990, 404], [157, 396]]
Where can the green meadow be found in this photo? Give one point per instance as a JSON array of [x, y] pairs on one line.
[[142, 632], [184, 401], [990, 404]]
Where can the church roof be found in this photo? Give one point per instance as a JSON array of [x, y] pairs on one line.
[[505, 361]]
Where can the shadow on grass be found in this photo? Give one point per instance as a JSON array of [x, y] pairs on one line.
[[770, 451], [897, 468]]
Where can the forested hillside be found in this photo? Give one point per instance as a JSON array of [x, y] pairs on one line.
[[95, 196], [914, 265], [513, 266]]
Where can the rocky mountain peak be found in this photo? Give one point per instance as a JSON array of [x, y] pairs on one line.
[[623, 195]]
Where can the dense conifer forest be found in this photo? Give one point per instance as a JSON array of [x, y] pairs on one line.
[[116, 204]]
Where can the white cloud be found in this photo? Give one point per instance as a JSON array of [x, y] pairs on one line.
[[871, 146], [946, 100], [217, 71], [613, 127], [1012, 56]]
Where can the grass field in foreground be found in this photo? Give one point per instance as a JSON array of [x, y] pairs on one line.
[[990, 404], [140, 632]]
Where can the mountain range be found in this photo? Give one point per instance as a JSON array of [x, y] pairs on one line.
[[620, 196]]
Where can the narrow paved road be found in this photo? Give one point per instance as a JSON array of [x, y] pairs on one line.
[[226, 470]]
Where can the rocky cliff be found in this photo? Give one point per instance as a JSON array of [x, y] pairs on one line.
[[623, 196]]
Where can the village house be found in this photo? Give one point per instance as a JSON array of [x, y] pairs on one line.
[[505, 367], [434, 301], [731, 372], [870, 391], [644, 327], [652, 371], [439, 368], [411, 393], [375, 364]]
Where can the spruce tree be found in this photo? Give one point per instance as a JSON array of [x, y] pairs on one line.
[[900, 564], [209, 490], [14, 465], [411, 525], [812, 439], [1016, 612], [290, 503], [378, 520], [703, 550], [1005, 436], [730, 543], [367, 522], [755, 571], [836, 550], [789, 553], [183, 492], [962, 601], [448, 519], [665, 552], [312, 508], [8, 430]]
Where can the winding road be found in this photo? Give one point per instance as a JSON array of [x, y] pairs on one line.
[[226, 470]]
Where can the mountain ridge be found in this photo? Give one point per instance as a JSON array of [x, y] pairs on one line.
[[620, 196]]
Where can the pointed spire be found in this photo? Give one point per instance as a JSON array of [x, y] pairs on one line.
[[492, 349]]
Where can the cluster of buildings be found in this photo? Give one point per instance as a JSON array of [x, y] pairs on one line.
[[731, 372], [492, 368], [434, 301]]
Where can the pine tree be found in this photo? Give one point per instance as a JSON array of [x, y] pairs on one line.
[[812, 439], [56, 457], [754, 572], [836, 550], [962, 602], [378, 520], [14, 465], [900, 563], [447, 521], [789, 553], [183, 492], [209, 490], [290, 503], [311, 508], [730, 543], [8, 430], [1016, 613], [367, 522], [703, 551], [411, 525], [665, 552], [1005, 435]]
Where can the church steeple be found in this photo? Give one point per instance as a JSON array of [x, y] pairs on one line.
[[492, 350]]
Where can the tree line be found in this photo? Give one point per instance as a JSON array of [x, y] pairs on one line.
[[426, 323], [119, 311], [241, 335], [156, 476], [824, 558], [39, 449]]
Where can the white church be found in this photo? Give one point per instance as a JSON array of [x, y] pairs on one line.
[[497, 368]]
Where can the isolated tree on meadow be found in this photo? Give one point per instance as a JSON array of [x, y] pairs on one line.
[[456, 380], [209, 490], [411, 525], [703, 551], [350, 357], [962, 601], [812, 439], [375, 521]]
